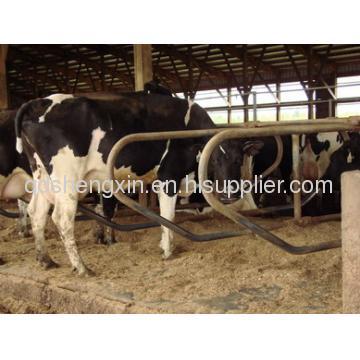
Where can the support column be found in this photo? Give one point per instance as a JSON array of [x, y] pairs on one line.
[[278, 95], [4, 101], [245, 98], [310, 93], [143, 65], [350, 233], [327, 108], [229, 105], [143, 73], [296, 176]]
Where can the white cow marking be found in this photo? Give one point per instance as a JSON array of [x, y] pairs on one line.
[[166, 151], [321, 161], [56, 99], [19, 145], [167, 210], [187, 116]]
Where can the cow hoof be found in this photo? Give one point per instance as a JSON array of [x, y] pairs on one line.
[[105, 241], [85, 272], [99, 238], [46, 262], [167, 255], [110, 241], [2, 262], [25, 234]]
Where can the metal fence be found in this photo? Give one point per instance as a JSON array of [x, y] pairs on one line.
[[254, 105]]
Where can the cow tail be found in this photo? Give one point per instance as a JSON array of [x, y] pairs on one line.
[[18, 127]]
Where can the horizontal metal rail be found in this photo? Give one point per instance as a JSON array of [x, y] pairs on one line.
[[352, 120], [284, 104]]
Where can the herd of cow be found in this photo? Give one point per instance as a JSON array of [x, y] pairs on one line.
[[67, 137]]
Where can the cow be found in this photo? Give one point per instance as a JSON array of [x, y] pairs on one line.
[[70, 137], [14, 170], [345, 158], [315, 153]]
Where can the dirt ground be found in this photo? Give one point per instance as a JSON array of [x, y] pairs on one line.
[[237, 275]]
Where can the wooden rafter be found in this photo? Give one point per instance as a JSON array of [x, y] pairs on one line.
[[35, 70], [317, 58], [126, 57], [239, 54], [77, 56], [297, 71], [200, 64]]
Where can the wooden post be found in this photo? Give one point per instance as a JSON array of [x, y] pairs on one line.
[[296, 176], [143, 65], [278, 95], [4, 101], [229, 100], [327, 108], [350, 232], [143, 74]]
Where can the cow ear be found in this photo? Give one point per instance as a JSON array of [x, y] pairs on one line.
[[252, 147]]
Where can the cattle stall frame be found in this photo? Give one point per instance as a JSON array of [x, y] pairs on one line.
[[294, 128]]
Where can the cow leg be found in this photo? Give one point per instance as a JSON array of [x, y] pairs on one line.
[[38, 211], [23, 225], [105, 234], [64, 219], [167, 210], [99, 228], [109, 205]]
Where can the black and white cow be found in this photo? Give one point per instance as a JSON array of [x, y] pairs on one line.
[[14, 170], [316, 151], [67, 137], [345, 158]]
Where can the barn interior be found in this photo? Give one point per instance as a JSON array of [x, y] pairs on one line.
[[236, 84]]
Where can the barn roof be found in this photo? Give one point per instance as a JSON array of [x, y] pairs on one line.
[[38, 70]]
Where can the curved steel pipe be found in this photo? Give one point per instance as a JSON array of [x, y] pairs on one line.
[[149, 213], [270, 169], [8, 214], [252, 132], [91, 214], [242, 220]]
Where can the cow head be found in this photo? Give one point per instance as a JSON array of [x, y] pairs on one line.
[[316, 150], [227, 159], [346, 158]]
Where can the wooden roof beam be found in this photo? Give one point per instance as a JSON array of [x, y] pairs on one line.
[[200, 64], [317, 58], [77, 56], [34, 77], [239, 54], [59, 70], [127, 58]]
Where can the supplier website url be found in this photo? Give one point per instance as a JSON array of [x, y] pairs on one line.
[[228, 188]]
